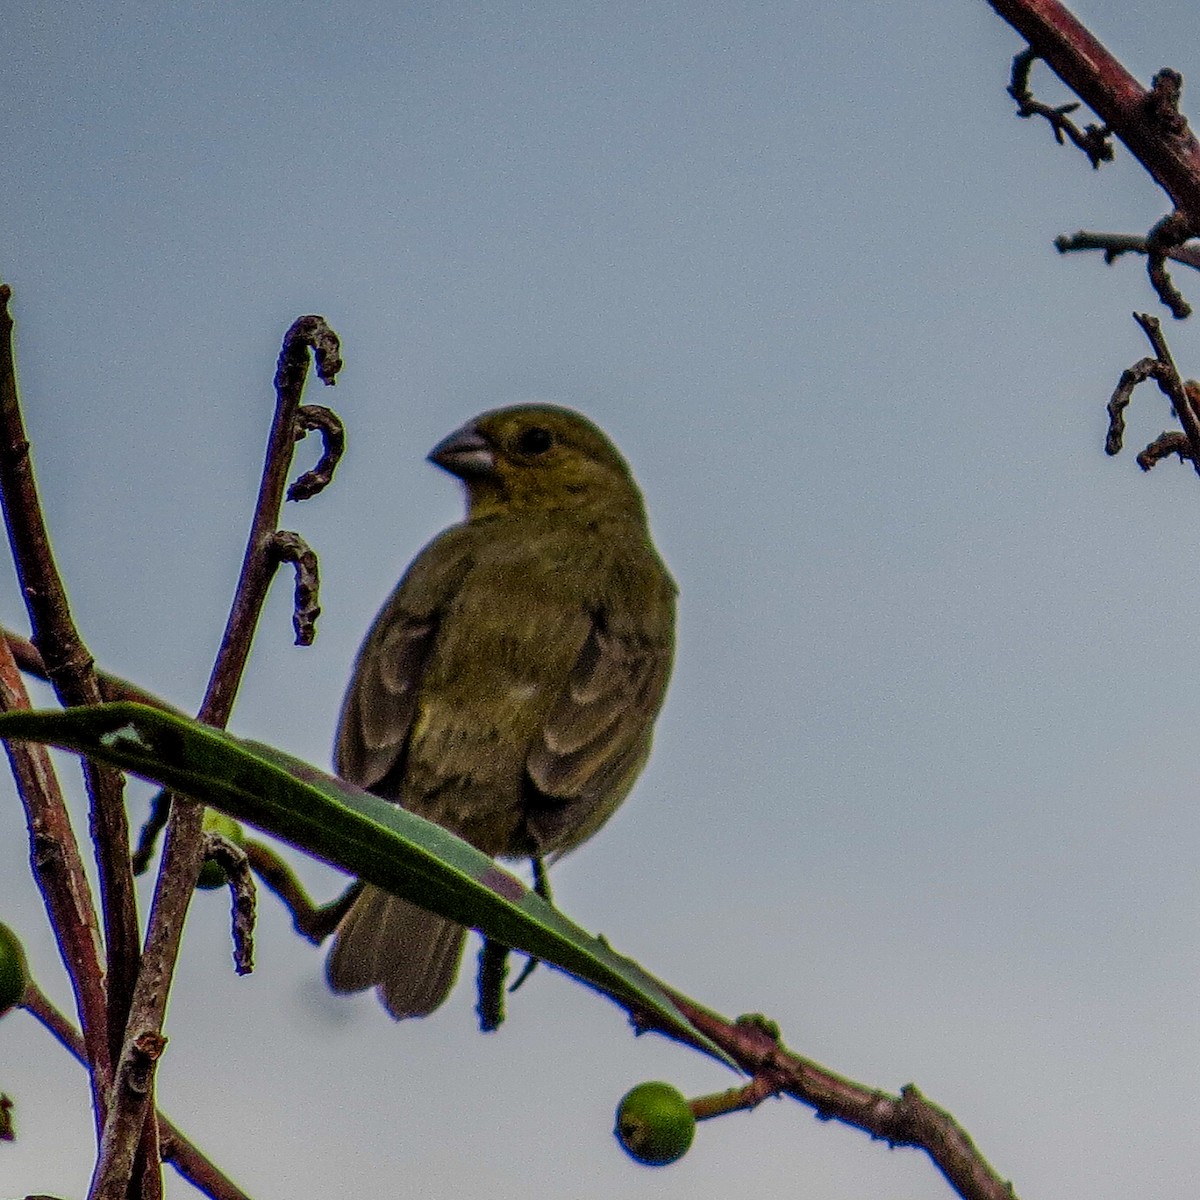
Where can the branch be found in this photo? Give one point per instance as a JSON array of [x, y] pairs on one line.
[[1168, 235], [1094, 140], [69, 670], [1115, 244], [311, 921], [1148, 122], [1184, 397], [183, 852], [174, 1145], [908, 1119], [58, 869]]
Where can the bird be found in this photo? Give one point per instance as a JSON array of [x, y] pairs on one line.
[[508, 687]]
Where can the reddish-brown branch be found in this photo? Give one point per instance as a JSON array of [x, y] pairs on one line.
[[174, 1145], [1146, 120], [58, 869], [907, 1119], [69, 669], [183, 851]]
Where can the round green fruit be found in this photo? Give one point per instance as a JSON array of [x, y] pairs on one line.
[[14, 973], [212, 875], [655, 1125]]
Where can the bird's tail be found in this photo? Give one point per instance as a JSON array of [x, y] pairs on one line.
[[411, 955]]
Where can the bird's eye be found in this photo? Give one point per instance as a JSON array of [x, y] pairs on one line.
[[534, 440]]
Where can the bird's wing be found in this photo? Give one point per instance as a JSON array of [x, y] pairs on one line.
[[597, 734], [380, 703]]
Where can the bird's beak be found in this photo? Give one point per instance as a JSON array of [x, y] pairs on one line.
[[465, 453]]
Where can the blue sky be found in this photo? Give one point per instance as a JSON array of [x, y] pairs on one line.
[[922, 790]]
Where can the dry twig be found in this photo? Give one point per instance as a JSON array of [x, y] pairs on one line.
[[1184, 397], [174, 1145], [69, 670], [183, 852], [1094, 140], [236, 866]]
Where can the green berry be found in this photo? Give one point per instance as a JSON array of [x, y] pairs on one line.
[[212, 875], [655, 1125], [14, 973]]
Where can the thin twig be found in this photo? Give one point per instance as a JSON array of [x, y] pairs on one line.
[[58, 869], [739, 1099], [174, 1145], [1169, 234], [69, 670], [233, 861], [1172, 386], [155, 823], [1184, 398], [1140, 117], [1113, 245], [1094, 140], [1163, 446], [1143, 369], [183, 851], [314, 922]]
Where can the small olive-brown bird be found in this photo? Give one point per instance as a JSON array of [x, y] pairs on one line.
[[508, 688]]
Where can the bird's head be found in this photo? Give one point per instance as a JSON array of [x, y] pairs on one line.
[[537, 457]]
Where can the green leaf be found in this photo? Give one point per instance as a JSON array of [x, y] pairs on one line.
[[348, 828]]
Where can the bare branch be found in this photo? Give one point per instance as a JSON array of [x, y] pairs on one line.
[[1184, 397], [1115, 244], [1169, 234], [58, 869], [258, 564], [1146, 120], [904, 1120], [183, 851], [1095, 140], [174, 1145], [1163, 446], [69, 669], [1143, 369], [311, 921]]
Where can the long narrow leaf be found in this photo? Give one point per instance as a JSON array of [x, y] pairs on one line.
[[348, 828]]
